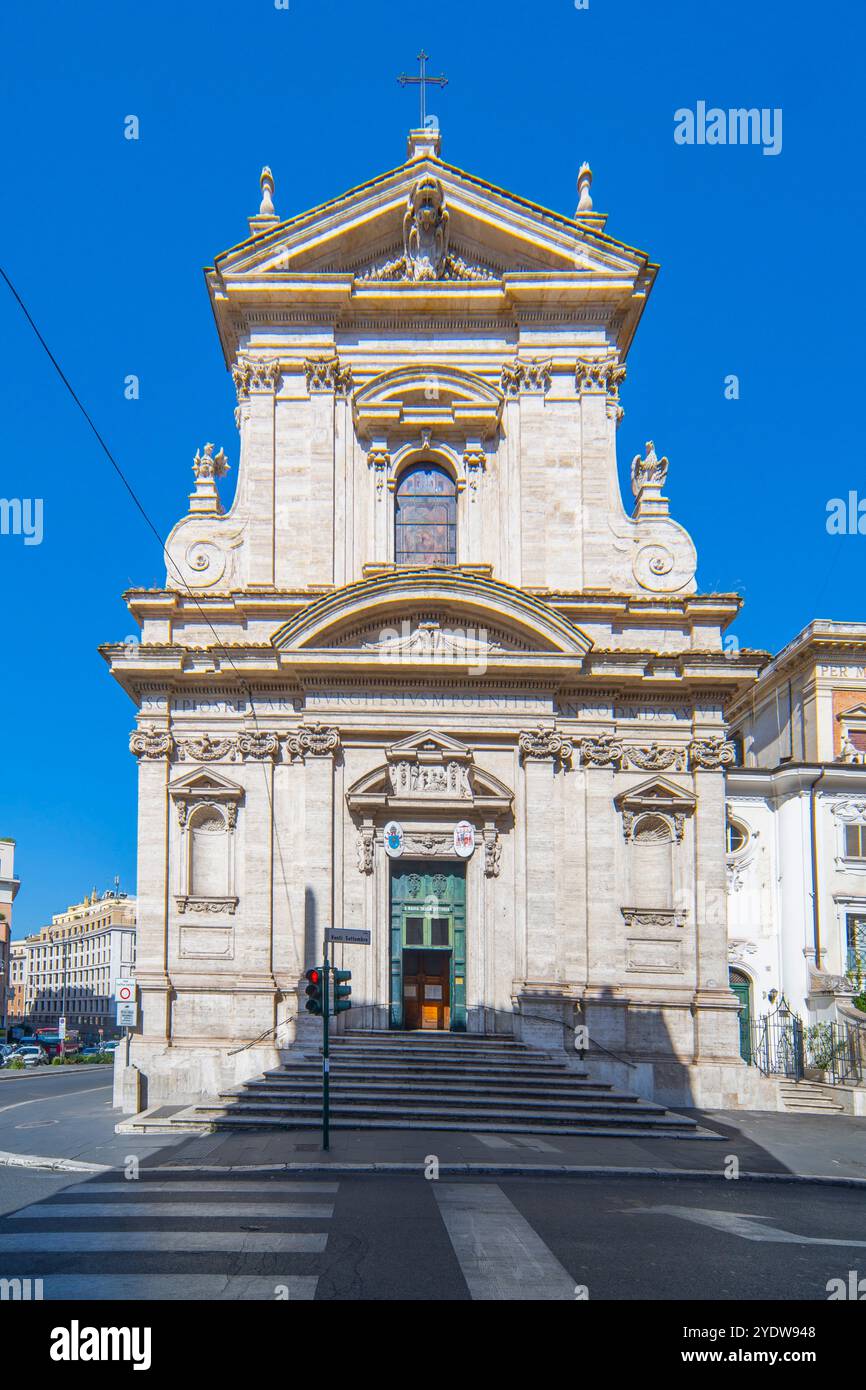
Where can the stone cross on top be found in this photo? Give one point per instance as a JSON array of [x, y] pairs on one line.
[[422, 81]]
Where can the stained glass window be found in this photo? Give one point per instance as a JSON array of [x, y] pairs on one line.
[[425, 522]]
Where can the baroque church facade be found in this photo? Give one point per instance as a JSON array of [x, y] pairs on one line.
[[428, 676]]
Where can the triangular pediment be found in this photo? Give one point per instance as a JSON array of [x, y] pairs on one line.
[[428, 741], [657, 793], [204, 784], [489, 233]]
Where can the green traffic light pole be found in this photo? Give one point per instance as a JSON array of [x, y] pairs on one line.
[[326, 1059]]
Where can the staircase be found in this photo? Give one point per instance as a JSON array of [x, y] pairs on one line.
[[438, 1081], [809, 1098]]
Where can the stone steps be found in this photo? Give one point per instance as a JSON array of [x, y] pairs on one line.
[[809, 1098], [425, 1081], [377, 1115]]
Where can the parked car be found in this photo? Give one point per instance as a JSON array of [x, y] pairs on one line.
[[91, 1050], [31, 1054], [111, 1046]]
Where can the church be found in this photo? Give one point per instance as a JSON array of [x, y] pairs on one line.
[[428, 676]]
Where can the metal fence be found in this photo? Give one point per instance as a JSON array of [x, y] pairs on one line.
[[782, 1045]]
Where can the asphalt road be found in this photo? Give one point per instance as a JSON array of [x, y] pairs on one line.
[[394, 1238]]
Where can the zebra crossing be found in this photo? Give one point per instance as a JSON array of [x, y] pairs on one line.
[[169, 1239], [265, 1239]]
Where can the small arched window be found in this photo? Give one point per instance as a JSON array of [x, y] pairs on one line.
[[425, 517]]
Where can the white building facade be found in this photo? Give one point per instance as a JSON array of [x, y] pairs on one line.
[[427, 676], [797, 828]]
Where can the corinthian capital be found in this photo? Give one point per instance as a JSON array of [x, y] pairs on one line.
[[526, 374], [256, 374], [327, 374]]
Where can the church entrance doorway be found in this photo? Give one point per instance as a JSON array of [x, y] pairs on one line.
[[428, 946]]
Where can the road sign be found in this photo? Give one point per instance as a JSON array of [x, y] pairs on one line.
[[124, 991], [353, 936], [61, 1028], [127, 1015]]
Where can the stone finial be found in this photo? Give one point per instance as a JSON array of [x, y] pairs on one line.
[[648, 477], [267, 183], [584, 183], [266, 217], [207, 467]]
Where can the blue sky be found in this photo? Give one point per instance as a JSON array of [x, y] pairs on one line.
[[105, 239]]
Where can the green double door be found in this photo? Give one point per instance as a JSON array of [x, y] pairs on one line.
[[428, 946], [743, 990]]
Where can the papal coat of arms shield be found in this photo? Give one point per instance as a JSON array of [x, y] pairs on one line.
[[394, 839], [464, 838]]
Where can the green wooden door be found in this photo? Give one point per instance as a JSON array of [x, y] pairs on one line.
[[428, 912], [743, 990]]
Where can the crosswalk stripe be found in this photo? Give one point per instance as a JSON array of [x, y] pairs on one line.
[[293, 1288], [48, 1211], [500, 1255], [516, 1141], [244, 1242], [276, 1190]]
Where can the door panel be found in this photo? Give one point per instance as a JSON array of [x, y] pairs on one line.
[[428, 920]]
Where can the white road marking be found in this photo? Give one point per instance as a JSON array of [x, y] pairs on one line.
[[37, 1100], [203, 1186], [516, 1141], [47, 1211], [500, 1255], [242, 1242], [748, 1226], [71, 1288]]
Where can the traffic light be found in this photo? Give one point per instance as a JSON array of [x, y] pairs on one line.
[[315, 990], [342, 990]]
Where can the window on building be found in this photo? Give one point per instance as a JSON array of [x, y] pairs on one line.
[[425, 517], [736, 837], [856, 933], [855, 841]]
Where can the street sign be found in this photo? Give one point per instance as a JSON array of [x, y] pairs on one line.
[[61, 1028], [354, 936], [127, 1015], [124, 991]]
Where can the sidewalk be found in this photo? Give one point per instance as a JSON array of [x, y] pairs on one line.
[[76, 1133]]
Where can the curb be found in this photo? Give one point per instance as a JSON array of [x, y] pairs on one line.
[[450, 1170], [56, 1165]]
